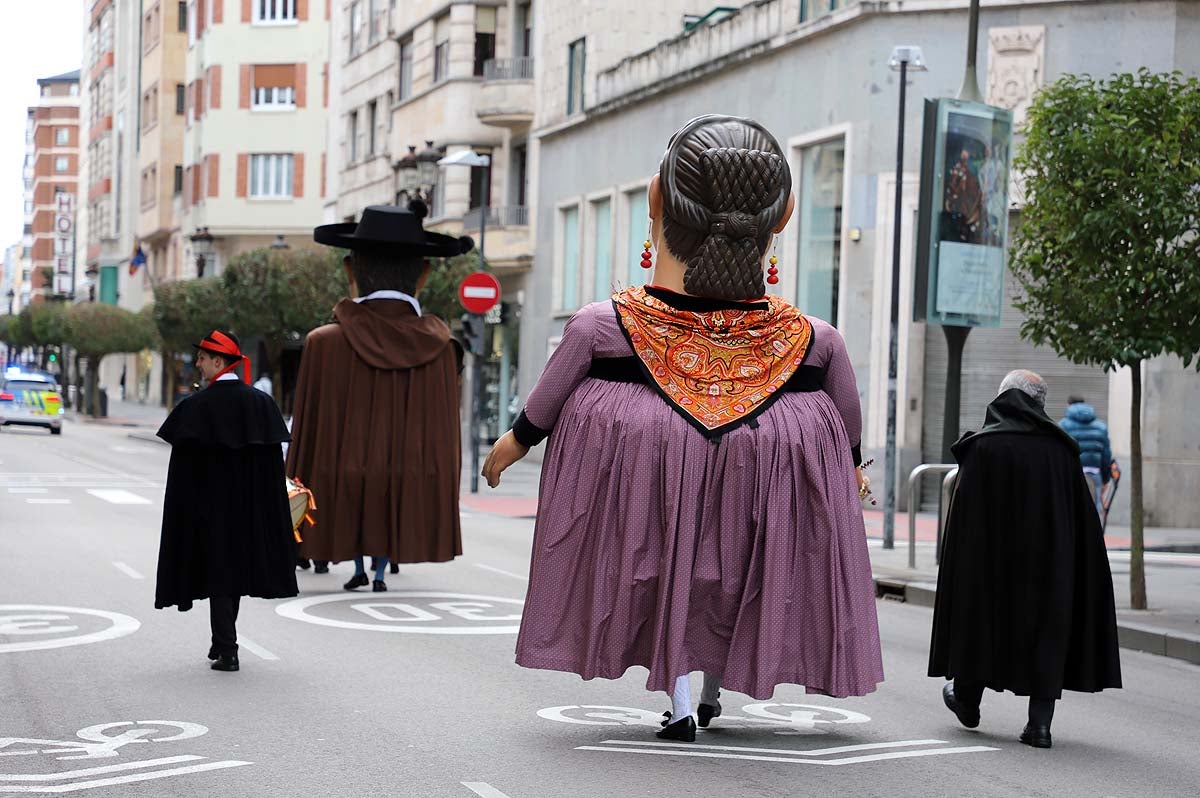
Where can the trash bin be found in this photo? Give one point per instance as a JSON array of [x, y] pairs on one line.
[[102, 393]]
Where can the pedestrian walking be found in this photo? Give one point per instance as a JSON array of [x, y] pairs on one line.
[[263, 383], [698, 507], [1095, 451], [1024, 596], [376, 427], [227, 528]]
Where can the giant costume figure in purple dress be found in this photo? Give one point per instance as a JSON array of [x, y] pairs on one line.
[[698, 507]]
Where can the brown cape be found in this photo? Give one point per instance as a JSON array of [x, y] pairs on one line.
[[376, 435]]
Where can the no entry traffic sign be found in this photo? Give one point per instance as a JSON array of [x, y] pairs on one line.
[[479, 292]]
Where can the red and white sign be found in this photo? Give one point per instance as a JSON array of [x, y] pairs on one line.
[[479, 292]]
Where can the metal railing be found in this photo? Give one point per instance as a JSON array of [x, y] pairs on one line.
[[503, 216], [508, 68], [950, 472]]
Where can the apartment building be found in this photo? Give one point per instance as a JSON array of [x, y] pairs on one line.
[[254, 128], [52, 179], [19, 278]]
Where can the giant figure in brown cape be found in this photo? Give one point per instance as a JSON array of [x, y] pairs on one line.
[[376, 426]]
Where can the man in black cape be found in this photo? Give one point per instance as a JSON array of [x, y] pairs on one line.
[[1024, 596], [227, 529]]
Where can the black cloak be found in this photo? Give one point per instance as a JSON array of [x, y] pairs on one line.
[[227, 527], [1024, 595]]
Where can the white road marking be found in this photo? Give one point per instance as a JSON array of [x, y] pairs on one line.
[[47, 501], [18, 617], [129, 779], [840, 749], [100, 770], [117, 496], [483, 790], [501, 571], [796, 760], [255, 649], [125, 569], [470, 614], [28, 490]]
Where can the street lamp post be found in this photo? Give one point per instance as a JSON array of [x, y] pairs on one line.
[[903, 59], [475, 159]]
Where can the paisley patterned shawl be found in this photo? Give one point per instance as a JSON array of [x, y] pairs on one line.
[[720, 368]]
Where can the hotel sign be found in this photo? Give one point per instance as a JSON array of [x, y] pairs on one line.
[[64, 242]]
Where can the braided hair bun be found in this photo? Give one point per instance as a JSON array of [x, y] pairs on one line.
[[725, 187]]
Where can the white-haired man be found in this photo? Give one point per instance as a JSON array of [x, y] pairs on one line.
[[1024, 599]]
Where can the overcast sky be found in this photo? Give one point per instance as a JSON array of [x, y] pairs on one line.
[[38, 39]]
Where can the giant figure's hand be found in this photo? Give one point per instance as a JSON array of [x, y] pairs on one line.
[[506, 452]]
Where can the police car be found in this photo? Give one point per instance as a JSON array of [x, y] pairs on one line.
[[30, 400]]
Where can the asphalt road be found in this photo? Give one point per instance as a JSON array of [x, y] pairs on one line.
[[414, 692]]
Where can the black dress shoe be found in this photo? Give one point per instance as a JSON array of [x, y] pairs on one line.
[[682, 730], [706, 712], [320, 566], [395, 567], [967, 716], [357, 581], [1036, 736], [226, 662], [378, 586], [303, 563]]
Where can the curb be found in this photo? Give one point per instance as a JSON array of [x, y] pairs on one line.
[[147, 437], [1132, 636]]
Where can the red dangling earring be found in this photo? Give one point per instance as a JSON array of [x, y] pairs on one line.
[[773, 271], [647, 261]]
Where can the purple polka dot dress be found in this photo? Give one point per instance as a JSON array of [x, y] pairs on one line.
[[744, 556]]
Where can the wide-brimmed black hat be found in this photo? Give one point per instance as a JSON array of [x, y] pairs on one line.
[[390, 228]]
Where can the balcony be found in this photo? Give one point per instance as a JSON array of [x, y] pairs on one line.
[[507, 244], [506, 99]]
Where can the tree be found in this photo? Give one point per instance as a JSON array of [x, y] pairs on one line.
[[96, 330], [184, 312], [48, 327], [282, 294], [1109, 244], [440, 294]]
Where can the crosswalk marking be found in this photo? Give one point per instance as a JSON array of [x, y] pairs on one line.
[[28, 490], [117, 496], [47, 501]]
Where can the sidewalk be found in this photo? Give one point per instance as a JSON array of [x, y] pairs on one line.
[[1170, 628], [126, 414]]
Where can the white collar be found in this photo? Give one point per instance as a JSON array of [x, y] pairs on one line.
[[226, 376], [389, 294]]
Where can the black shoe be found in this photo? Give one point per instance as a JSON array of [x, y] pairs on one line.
[[357, 581], [395, 567], [706, 712], [303, 563], [967, 716], [226, 662], [378, 586], [320, 566], [1036, 736], [682, 730]]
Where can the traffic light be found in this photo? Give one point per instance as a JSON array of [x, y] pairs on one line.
[[507, 313], [53, 357], [472, 327]]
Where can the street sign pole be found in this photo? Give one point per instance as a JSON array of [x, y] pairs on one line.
[[476, 407], [479, 292]]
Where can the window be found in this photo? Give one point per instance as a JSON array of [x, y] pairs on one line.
[[812, 9], [602, 268], [520, 174], [356, 28], [177, 186], [569, 221], [62, 136], [441, 50], [376, 21], [525, 30], [391, 100], [820, 228], [191, 22], [637, 226], [28, 207], [274, 98], [406, 68], [149, 186], [481, 189], [576, 54], [180, 99], [485, 37], [372, 123], [62, 163], [183, 16], [150, 108], [273, 11], [270, 175], [353, 136]]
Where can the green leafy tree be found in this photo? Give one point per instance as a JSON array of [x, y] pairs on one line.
[[184, 312], [282, 294], [48, 327], [1108, 251], [440, 294], [96, 330]]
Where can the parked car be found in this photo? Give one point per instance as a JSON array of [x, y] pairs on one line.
[[31, 400]]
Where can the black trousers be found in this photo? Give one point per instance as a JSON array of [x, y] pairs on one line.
[[222, 614], [1041, 710]]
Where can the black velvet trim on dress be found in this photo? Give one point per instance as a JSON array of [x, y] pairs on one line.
[[527, 433], [700, 304], [807, 379]]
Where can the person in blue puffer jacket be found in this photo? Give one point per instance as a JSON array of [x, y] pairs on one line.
[[1095, 451]]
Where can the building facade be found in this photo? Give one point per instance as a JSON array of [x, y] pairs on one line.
[[53, 189], [817, 76]]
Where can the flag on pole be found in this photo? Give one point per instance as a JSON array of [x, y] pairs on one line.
[[138, 259]]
